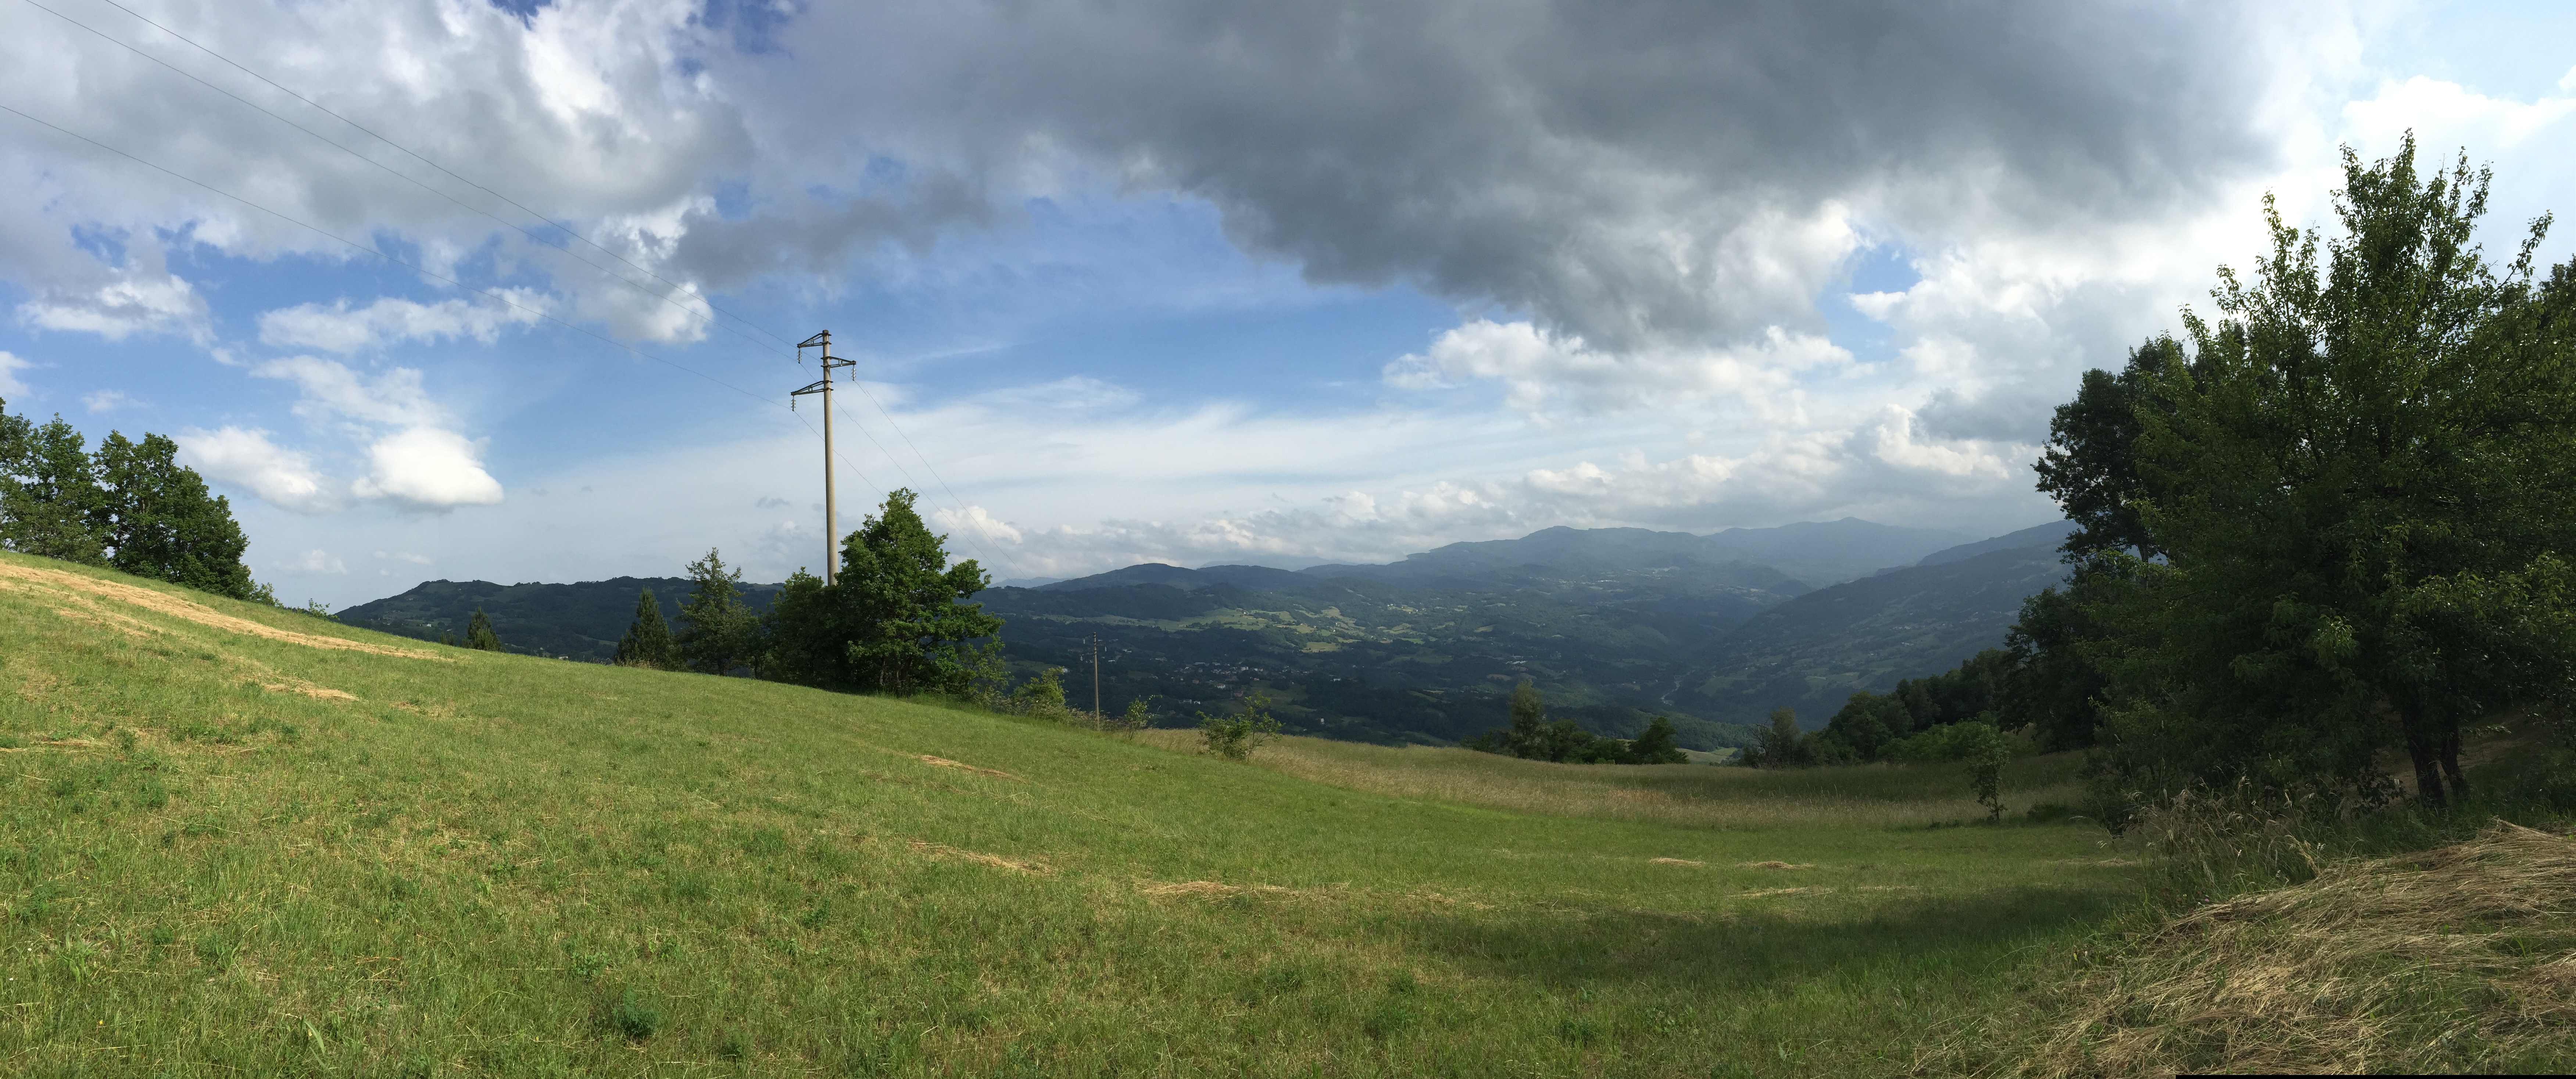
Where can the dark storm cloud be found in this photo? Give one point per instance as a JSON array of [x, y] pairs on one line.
[[1634, 171]]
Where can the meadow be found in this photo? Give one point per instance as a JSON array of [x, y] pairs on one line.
[[242, 840]]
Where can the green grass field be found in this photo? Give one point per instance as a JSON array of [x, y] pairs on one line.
[[233, 847]]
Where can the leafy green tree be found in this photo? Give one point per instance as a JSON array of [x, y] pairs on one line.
[[1043, 694], [647, 642], [894, 621], [2054, 684], [160, 521], [1783, 746], [2358, 484], [913, 624], [1659, 743], [479, 635], [2090, 465], [1528, 736], [717, 631], [50, 502]]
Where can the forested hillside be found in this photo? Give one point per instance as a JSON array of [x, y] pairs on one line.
[[1813, 652], [568, 621]]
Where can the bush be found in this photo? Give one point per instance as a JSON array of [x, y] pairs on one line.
[[1235, 737]]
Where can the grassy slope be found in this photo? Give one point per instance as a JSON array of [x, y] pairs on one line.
[[485, 862]]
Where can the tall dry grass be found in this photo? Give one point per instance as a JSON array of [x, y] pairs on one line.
[[2461, 958]]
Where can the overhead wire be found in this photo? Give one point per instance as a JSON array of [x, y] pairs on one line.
[[707, 319]]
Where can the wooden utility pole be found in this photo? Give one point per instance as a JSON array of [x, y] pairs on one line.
[[1095, 676], [831, 520]]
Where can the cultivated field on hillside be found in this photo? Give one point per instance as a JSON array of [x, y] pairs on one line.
[[238, 840]]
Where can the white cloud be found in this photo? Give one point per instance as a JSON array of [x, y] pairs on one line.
[[106, 400], [404, 556], [132, 303], [428, 468], [246, 457], [314, 561], [391, 320], [331, 388], [9, 384], [1539, 368]]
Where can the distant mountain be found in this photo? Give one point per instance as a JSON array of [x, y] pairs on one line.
[[1183, 579], [1812, 652], [2047, 535], [1829, 552], [1615, 625], [1815, 553], [573, 621]]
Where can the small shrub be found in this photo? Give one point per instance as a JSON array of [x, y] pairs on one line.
[[1234, 737], [1986, 769], [634, 1016]]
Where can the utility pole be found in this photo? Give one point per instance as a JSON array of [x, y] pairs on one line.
[[831, 522], [1095, 676]]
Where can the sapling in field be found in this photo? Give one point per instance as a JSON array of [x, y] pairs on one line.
[[1234, 737]]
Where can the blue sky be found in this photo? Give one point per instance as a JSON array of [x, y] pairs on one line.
[[1162, 281]]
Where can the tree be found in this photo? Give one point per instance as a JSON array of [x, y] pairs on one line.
[[717, 627], [479, 635], [50, 502], [1782, 745], [2053, 685], [1528, 736], [1659, 743], [647, 642], [2358, 498], [160, 521], [894, 621], [2090, 465], [1234, 737], [1987, 753]]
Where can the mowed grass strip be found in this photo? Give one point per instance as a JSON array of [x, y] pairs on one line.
[[226, 853]]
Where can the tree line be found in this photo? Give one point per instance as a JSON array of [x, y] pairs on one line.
[[2324, 531], [1532, 736], [128, 505]]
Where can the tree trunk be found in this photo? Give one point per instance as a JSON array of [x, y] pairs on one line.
[[2450, 758]]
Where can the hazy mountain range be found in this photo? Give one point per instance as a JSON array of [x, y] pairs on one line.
[[1614, 624]]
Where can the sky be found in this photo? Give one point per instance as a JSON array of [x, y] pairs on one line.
[[510, 291]]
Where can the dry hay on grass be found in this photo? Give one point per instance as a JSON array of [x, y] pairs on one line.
[[1674, 861], [934, 850], [943, 762], [1771, 865], [324, 693], [85, 590], [2462, 958]]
